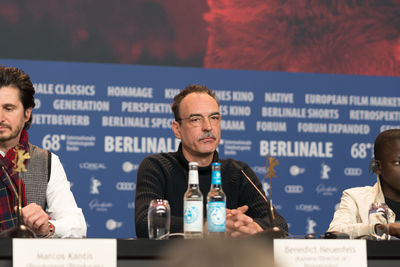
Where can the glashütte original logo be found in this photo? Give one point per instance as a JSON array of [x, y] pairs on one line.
[[325, 190], [98, 205]]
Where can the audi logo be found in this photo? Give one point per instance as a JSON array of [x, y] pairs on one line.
[[126, 186], [294, 189], [352, 171]]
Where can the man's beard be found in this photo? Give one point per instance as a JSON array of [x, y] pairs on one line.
[[13, 134]]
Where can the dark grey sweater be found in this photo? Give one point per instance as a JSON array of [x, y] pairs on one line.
[[165, 176]]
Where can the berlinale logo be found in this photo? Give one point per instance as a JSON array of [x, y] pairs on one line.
[[94, 187]]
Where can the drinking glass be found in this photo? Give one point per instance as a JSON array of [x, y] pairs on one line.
[[378, 214], [159, 219]]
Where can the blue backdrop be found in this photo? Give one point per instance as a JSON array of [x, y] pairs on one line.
[[103, 119]]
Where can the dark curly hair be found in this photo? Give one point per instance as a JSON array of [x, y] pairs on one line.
[[11, 76]]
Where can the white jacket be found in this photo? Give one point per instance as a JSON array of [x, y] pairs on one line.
[[352, 215]]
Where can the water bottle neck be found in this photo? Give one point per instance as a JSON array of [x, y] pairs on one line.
[[216, 178], [193, 177]]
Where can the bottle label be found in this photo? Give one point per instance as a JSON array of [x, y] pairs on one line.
[[193, 216], [193, 177], [216, 177], [216, 216]]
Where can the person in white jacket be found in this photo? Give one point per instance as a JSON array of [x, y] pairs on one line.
[[352, 215]]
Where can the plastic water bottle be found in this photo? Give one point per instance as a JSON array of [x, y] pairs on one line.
[[193, 205], [216, 204]]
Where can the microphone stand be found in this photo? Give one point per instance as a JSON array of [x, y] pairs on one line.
[[275, 231], [20, 230]]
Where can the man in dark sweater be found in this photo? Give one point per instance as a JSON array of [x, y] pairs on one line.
[[165, 175]]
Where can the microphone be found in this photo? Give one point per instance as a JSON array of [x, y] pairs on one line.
[[335, 235], [275, 231], [20, 230]]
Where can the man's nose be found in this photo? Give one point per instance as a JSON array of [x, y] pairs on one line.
[[206, 124], [2, 118]]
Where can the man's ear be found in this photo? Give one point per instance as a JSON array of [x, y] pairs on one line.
[[28, 113], [176, 128], [374, 167]]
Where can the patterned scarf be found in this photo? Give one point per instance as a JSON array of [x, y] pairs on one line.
[[14, 161]]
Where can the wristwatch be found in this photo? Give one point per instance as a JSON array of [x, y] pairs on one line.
[[50, 233], [380, 229]]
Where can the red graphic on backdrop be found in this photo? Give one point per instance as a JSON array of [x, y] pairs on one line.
[[351, 37], [336, 36]]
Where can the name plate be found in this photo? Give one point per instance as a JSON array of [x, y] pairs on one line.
[[320, 252], [64, 252]]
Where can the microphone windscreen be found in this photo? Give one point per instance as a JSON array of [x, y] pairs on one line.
[[336, 235]]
